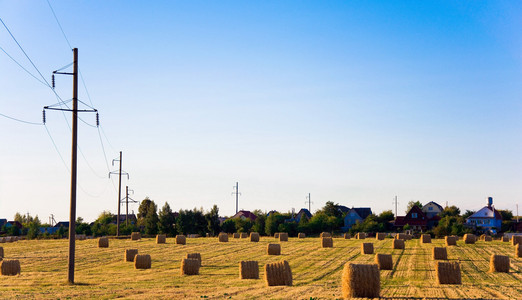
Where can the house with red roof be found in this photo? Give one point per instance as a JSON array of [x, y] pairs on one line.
[[244, 214], [415, 218]]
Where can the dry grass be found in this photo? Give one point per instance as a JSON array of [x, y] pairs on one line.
[[361, 281], [316, 271]]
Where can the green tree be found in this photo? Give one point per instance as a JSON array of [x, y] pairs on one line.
[[229, 226], [259, 224], [302, 226], [143, 210], [451, 211], [212, 218], [411, 204], [82, 227], [151, 220], [332, 209], [386, 216], [507, 215], [272, 223], [468, 214], [166, 220], [34, 228]]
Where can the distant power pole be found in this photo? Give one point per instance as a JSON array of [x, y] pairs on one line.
[[127, 190], [309, 201], [517, 213], [119, 172], [395, 202], [237, 193]]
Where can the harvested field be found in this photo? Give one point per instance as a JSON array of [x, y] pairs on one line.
[[316, 271]]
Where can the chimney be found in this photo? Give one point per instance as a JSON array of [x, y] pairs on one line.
[[490, 201]]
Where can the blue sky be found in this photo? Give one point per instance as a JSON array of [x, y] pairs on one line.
[[353, 102]]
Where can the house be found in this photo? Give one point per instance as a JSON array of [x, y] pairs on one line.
[[302, 213], [123, 218], [62, 224], [487, 217], [14, 223], [415, 218], [432, 211], [355, 215], [244, 214], [2, 222]]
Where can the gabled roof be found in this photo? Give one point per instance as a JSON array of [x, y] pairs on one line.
[[305, 212], [16, 223], [363, 212], [420, 220], [486, 213], [435, 203], [246, 214], [342, 208], [62, 224]]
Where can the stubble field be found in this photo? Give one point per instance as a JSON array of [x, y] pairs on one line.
[[101, 273]]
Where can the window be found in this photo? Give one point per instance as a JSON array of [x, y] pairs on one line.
[[414, 215], [430, 208]]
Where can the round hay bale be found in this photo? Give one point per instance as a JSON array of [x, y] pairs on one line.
[[347, 236], [142, 261], [426, 239], [327, 242], [325, 234], [129, 255], [516, 239], [380, 236], [401, 236], [384, 261], [235, 235], [361, 281], [254, 237], [196, 256], [1, 253], [10, 267], [469, 239], [481, 237], [278, 273], [273, 249], [276, 235], [190, 266], [243, 235], [439, 253], [283, 237], [499, 263], [360, 236], [505, 238], [103, 242], [223, 237], [161, 239], [518, 250], [248, 269], [301, 235], [181, 240], [135, 236], [488, 238], [2, 240], [398, 244], [451, 241], [448, 272], [367, 248]]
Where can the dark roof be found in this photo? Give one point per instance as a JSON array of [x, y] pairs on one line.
[[246, 214], [16, 223], [305, 212], [363, 212], [421, 219], [440, 207], [62, 224], [343, 208]]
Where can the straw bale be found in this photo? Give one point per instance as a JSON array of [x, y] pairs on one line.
[[488, 238], [129, 254], [361, 281], [469, 239], [401, 236], [327, 242], [367, 248], [325, 234], [273, 249], [439, 253], [448, 272], [103, 242], [451, 241], [278, 273], [409, 237], [518, 250], [2, 240], [347, 236], [142, 261], [398, 244], [235, 235], [196, 256], [276, 235], [380, 236], [223, 237], [516, 239], [426, 239], [161, 239], [190, 266], [244, 235], [481, 237], [248, 269], [1, 252], [283, 237], [10, 267], [360, 236], [254, 237], [384, 261], [505, 238], [181, 240], [499, 263], [301, 235], [135, 236]]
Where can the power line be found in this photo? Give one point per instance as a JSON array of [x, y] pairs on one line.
[[15, 119], [59, 25], [16, 62]]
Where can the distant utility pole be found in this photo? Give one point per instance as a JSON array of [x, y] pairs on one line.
[[74, 148], [119, 172], [51, 220], [517, 213], [237, 193], [309, 201], [127, 190], [395, 202]]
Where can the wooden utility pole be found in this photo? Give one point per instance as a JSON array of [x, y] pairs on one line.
[[395, 201], [72, 213], [127, 205], [309, 201], [119, 197], [237, 195]]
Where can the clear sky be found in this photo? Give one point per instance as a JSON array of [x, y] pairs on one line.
[[352, 101]]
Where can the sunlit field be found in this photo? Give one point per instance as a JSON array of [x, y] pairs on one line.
[[101, 273]]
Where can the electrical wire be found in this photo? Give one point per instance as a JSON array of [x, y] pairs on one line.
[[59, 25], [16, 62], [15, 119]]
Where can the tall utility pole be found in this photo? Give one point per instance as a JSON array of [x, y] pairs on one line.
[[237, 193], [309, 201], [395, 202], [74, 148], [127, 204], [119, 172]]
